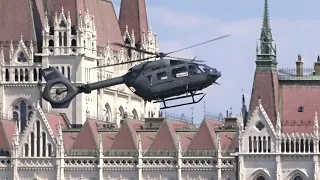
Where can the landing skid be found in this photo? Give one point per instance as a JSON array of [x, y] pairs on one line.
[[183, 97]]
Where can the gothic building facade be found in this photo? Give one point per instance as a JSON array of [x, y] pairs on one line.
[[111, 133]]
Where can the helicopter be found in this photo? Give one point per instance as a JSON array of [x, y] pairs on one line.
[[160, 80]]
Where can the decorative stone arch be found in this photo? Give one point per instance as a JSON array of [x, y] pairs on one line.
[[260, 174], [22, 111], [295, 174], [108, 112], [135, 114]]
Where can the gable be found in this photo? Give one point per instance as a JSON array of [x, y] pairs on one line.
[[38, 136], [85, 138], [124, 139], [259, 124], [203, 139], [164, 139]]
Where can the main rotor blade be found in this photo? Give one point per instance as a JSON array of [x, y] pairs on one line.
[[186, 59], [116, 64], [215, 39], [133, 48]]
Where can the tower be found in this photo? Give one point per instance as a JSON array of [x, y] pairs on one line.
[[266, 83]]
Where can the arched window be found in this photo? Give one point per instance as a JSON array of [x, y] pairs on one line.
[[32, 143], [21, 75], [65, 39], [49, 150], [121, 111], [16, 75], [298, 178], [7, 75], [261, 178], [35, 74], [21, 111], [26, 75], [44, 144], [135, 114], [108, 113], [60, 39], [26, 150], [69, 72]]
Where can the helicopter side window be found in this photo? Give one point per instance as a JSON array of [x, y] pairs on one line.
[[180, 72], [162, 75], [194, 70], [149, 78]]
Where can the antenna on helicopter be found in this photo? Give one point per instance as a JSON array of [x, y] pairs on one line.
[[160, 55]]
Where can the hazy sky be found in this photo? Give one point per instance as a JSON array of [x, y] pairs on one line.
[[295, 27]]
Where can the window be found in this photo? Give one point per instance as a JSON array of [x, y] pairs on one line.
[[149, 78], [22, 58], [162, 75], [194, 70], [261, 178], [298, 178], [180, 72]]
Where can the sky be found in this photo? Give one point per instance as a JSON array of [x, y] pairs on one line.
[[295, 26]]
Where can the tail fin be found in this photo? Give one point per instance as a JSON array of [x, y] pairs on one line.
[[58, 91]]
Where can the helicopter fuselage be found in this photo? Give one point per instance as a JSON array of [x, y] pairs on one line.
[[167, 78]]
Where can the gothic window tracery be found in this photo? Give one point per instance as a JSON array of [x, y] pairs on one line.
[[22, 112], [22, 57], [108, 112]]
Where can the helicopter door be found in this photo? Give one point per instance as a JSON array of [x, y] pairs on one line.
[[181, 77], [161, 79]]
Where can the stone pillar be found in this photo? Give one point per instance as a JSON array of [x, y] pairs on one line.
[[316, 145], [299, 66], [139, 166], [100, 167], [279, 167], [179, 161], [60, 155], [15, 154], [241, 168], [219, 156]]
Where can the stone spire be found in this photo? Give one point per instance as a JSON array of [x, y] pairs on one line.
[[266, 82], [267, 50]]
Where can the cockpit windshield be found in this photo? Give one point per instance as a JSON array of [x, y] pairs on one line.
[[205, 68]]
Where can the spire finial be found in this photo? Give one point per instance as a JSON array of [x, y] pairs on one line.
[[266, 23], [266, 35]]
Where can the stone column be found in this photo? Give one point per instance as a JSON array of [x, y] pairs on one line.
[[179, 161], [100, 166], [219, 156], [139, 165]]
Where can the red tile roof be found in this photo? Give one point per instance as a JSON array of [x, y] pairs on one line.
[[205, 138], [293, 97], [127, 136], [265, 86], [133, 14], [7, 128]]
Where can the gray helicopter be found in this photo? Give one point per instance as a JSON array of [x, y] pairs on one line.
[[160, 80]]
